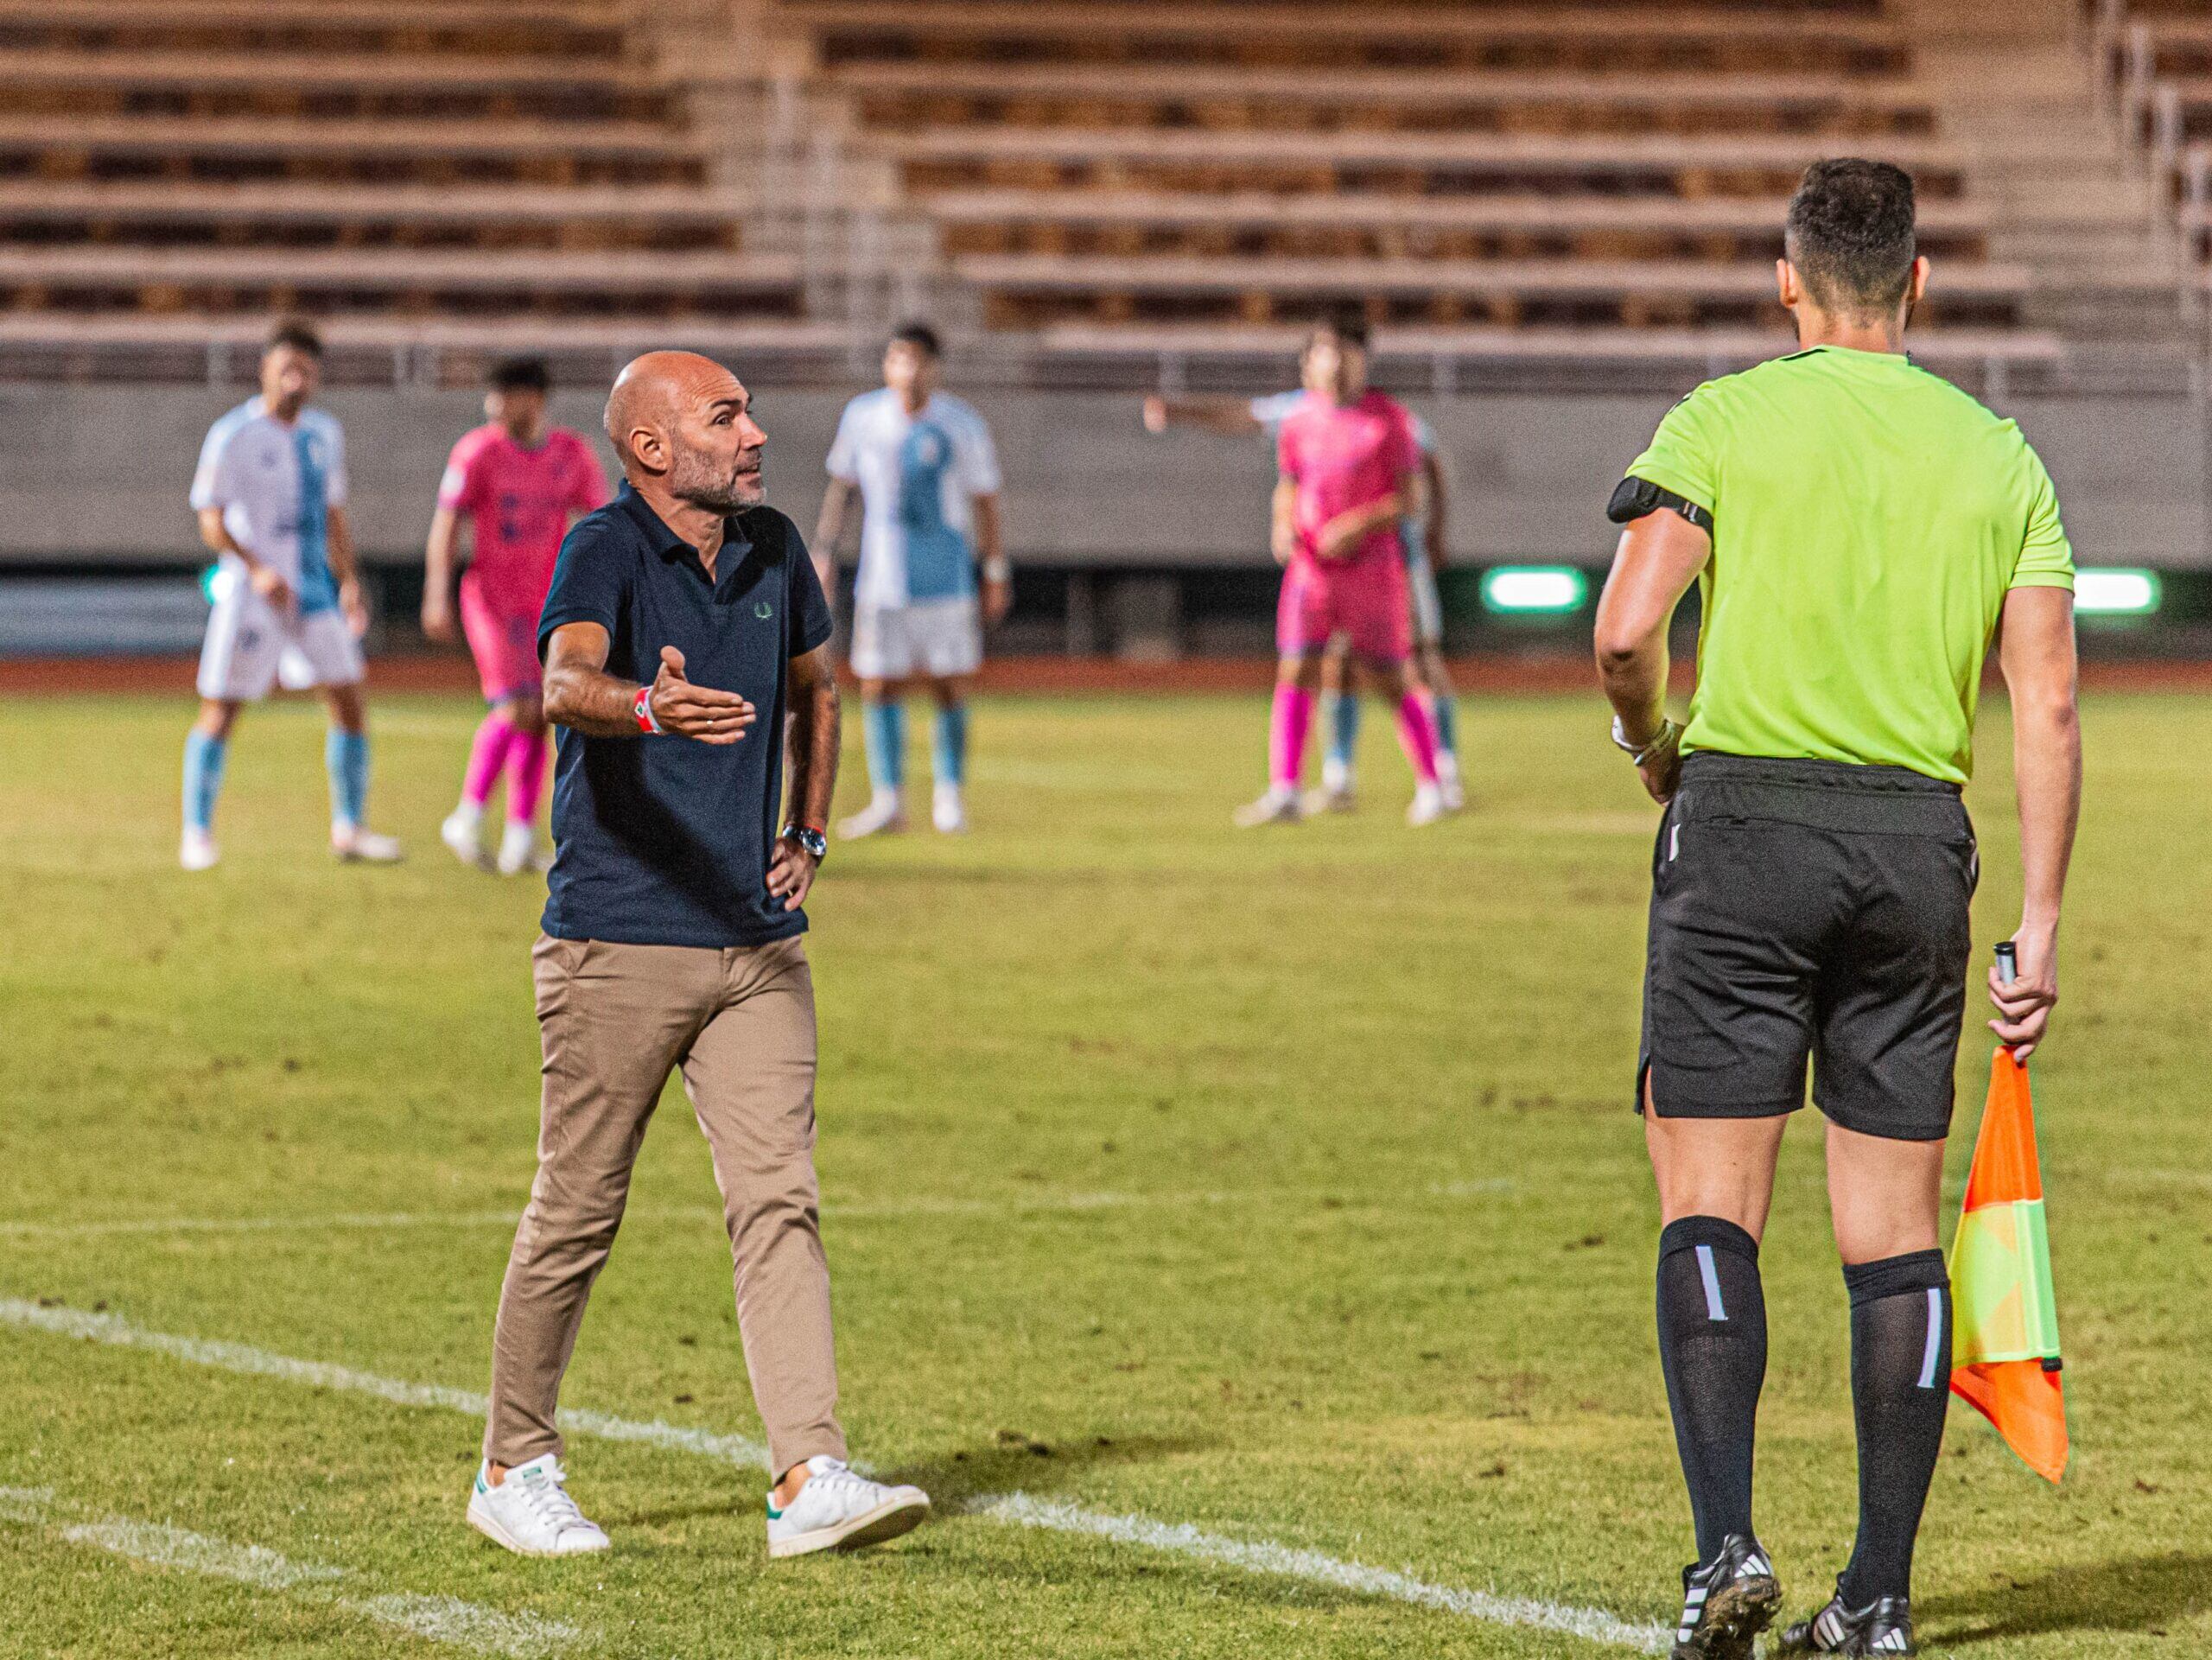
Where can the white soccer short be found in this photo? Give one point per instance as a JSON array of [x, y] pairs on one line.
[[935, 637], [251, 647], [1428, 603]]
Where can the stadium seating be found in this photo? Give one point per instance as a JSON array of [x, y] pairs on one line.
[[1149, 164], [400, 159]]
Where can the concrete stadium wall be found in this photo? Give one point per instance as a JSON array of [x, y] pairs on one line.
[[100, 473]]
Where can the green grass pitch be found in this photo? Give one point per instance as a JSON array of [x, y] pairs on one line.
[[1279, 1184]]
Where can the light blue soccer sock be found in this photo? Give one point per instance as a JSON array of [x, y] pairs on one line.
[[346, 755], [1344, 727], [203, 778], [949, 745], [884, 721], [1447, 726]]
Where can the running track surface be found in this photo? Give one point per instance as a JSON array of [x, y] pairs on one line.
[[1555, 671]]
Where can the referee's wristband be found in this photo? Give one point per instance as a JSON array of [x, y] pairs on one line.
[[1669, 730], [641, 708]]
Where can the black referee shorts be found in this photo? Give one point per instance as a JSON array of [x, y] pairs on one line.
[[1808, 909]]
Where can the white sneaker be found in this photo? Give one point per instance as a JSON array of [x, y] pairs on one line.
[[1331, 797], [1447, 782], [947, 811], [530, 1512], [837, 1510], [463, 832], [1336, 776], [517, 849], [883, 813], [354, 845], [1280, 805], [197, 850], [1427, 805]]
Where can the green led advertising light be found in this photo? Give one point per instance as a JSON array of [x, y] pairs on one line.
[[1533, 590], [2116, 593]]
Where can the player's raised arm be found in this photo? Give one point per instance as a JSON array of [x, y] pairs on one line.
[[581, 695], [2036, 651]]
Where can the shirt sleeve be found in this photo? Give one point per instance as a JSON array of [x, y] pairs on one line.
[[591, 492], [1680, 456], [212, 480], [2046, 557], [457, 489], [1287, 450], [979, 458], [809, 607], [334, 480], [844, 462], [589, 580]]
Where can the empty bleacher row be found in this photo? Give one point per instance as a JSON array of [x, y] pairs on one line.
[[2157, 58], [1155, 166], [370, 160]]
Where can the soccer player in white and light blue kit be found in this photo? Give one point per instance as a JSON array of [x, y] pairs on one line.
[[924, 467], [271, 497]]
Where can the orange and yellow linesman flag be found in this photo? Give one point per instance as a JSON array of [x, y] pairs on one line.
[[2005, 1330]]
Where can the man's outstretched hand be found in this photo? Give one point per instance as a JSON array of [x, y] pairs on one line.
[[698, 712]]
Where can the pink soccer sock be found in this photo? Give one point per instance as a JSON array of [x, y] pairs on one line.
[[1287, 730], [1417, 735], [485, 758], [525, 776]]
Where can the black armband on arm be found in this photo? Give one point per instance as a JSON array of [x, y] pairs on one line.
[[1633, 497]]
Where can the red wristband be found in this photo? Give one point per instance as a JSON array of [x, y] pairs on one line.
[[641, 706]]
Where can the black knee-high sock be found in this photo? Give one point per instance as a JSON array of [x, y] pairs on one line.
[[1900, 1391], [1712, 1345]]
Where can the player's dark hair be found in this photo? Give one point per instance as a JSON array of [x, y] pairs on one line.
[[298, 334], [1347, 325], [920, 336], [524, 374], [1849, 233]]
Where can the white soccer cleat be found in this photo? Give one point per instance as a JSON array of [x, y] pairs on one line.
[[1331, 797], [197, 850], [947, 811], [517, 849], [1280, 805], [837, 1510], [1448, 784], [1427, 805], [352, 845], [883, 814], [463, 834], [530, 1512]]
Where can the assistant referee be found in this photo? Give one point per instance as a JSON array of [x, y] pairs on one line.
[[1861, 532]]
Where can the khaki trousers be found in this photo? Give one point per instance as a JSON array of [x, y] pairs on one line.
[[615, 1018]]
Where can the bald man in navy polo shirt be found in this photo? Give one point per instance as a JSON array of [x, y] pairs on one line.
[[684, 632]]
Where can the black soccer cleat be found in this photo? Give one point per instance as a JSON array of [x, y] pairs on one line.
[[1728, 1602], [1883, 1627]]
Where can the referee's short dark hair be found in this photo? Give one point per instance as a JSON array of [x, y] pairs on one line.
[[920, 336], [1850, 235], [297, 332], [519, 374]]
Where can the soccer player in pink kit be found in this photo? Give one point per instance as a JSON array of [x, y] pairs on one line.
[[518, 482], [1350, 460]]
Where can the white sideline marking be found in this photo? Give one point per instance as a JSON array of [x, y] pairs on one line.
[[1261, 1556], [1286, 1562], [923, 1205], [318, 1374], [441, 1619]]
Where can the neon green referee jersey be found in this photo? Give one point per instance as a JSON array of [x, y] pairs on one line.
[[1868, 519]]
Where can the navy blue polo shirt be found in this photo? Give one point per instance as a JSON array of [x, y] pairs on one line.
[[664, 841]]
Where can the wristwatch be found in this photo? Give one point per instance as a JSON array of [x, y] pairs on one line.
[[809, 838], [1669, 730]]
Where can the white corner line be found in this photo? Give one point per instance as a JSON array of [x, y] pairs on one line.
[[441, 1619], [1286, 1561], [1253, 1556]]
